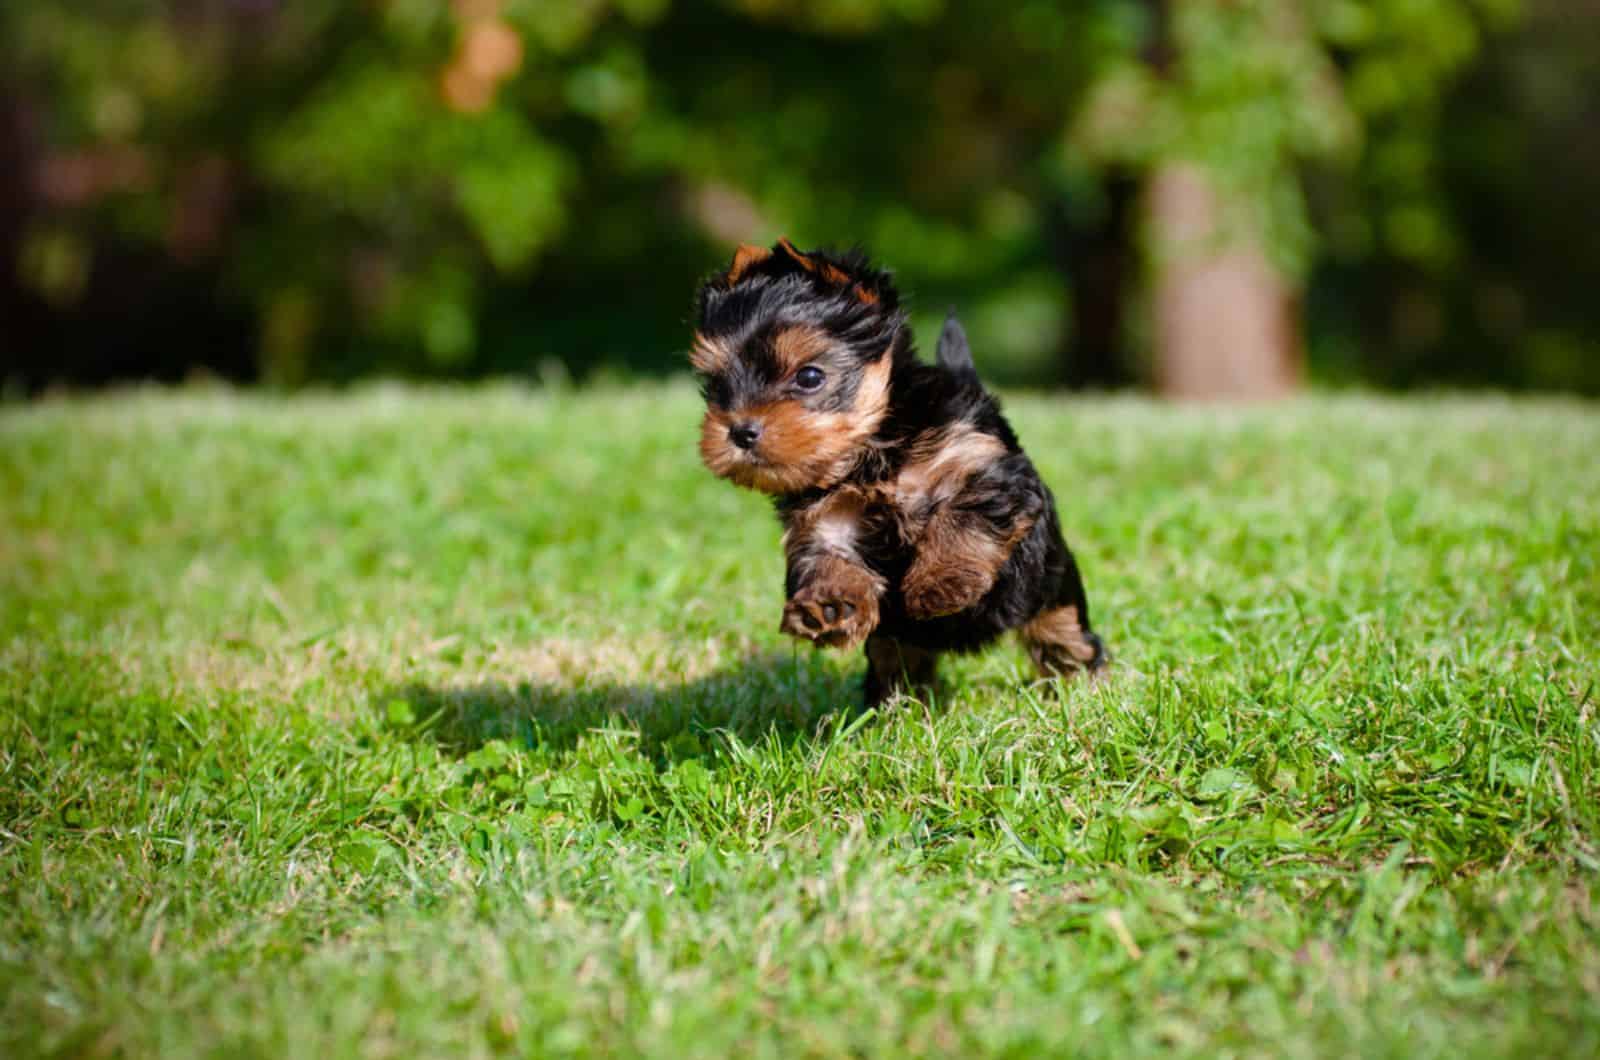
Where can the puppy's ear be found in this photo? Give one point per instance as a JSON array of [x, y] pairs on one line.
[[850, 273], [788, 249], [745, 258], [829, 272], [816, 267]]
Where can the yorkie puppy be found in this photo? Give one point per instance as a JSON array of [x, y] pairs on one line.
[[912, 519]]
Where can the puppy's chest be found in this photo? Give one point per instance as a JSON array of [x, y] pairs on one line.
[[871, 520], [882, 518], [892, 515]]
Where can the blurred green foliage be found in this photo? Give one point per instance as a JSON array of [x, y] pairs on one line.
[[464, 187]]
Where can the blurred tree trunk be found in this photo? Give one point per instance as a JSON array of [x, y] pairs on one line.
[[1224, 321]]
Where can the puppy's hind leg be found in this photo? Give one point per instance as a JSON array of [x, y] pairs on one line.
[[894, 666], [1060, 645]]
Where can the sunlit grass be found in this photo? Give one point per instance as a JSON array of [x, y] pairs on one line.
[[456, 722]]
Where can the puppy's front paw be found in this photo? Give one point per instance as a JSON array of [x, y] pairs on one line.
[[831, 614]]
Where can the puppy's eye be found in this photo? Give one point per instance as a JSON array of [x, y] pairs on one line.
[[809, 378]]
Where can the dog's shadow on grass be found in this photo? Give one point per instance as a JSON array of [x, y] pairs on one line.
[[787, 696]]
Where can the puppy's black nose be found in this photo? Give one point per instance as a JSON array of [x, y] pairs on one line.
[[744, 435]]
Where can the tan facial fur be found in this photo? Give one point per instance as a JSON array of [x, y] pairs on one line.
[[796, 347], [800, 448], [708, 356]]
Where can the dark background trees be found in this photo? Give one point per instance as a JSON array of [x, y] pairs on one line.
[[1220, 197]]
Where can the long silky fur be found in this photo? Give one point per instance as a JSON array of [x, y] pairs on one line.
[[858, 306]]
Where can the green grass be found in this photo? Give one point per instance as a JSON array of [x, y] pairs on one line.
[[456, 723]]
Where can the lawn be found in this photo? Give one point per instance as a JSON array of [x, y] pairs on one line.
[[455, 722]]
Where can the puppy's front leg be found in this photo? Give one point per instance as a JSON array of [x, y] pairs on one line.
[[832, 594], [969, 538], [837, 607]]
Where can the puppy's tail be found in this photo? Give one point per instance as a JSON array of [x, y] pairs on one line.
[[954, 355]]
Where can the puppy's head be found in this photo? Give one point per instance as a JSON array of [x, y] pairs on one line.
[[794, 352]]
